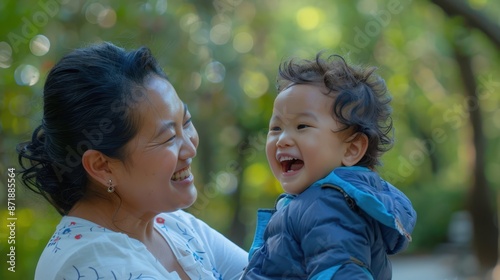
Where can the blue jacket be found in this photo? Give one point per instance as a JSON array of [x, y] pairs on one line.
[[341, 227]]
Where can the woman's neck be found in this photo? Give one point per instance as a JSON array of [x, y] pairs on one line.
[[109, 213]]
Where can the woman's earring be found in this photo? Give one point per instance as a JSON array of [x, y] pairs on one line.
[[110, 187]]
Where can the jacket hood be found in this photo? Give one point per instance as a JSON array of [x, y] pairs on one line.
[[379, 199]]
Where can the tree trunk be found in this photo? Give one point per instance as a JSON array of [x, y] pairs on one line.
[[238, 229], [480, 199]]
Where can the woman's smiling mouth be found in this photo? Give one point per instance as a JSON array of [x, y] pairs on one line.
[[181, 174]]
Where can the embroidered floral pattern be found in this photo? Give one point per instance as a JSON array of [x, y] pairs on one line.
[[197, 255], [93, 273], [66, 231], [73, 232], [161, 222], [63, 232]]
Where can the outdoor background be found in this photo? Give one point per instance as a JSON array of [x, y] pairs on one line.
[[440, 59]]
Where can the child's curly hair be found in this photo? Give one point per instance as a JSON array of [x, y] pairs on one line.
[[361, 101]]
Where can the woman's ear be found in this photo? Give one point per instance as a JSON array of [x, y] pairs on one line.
[[96, 165], [356, 146]]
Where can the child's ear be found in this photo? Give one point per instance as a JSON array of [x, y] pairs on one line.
[[356, 146], [96, 165]]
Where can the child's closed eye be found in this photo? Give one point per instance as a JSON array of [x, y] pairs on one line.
[[302, 126]]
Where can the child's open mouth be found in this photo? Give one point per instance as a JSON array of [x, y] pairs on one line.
[[289, 164]]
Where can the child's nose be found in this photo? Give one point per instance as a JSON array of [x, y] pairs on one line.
[[284, 140]]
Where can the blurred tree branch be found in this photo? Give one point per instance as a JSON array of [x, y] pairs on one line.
[[474, 18]]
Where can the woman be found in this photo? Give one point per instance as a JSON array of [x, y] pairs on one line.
[[113, 156]]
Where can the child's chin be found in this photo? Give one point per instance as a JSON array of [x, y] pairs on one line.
[[292, 189]]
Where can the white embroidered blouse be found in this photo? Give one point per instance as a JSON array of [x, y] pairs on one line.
[[80, 249]]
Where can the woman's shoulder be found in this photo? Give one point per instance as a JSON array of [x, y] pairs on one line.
[[80, 246], [72, 234], [74, 230]]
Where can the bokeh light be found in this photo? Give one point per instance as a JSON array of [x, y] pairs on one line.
[[39, 45], [93, 11], [187, 20], [308, 18], [220, 33], [106, 18], [195, 81], [215, 72], [254, 83], [199, 32], [243, 42], [226, 182], [367, 6], [255, 176], [26, 75], [5, 55], [230, 136], [161, 7], [157, 6], [69, 9]]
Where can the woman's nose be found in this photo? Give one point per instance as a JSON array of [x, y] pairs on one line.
[[189, 144]]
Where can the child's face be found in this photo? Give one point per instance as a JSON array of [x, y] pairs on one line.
[[302, 145]]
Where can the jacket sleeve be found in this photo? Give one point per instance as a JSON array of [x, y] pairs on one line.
[[335, 238]]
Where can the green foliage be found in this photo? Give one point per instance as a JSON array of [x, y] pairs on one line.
[[222, 57], [435, 206], [34, 227]]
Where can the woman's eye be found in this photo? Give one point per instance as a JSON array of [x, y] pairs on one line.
[[274, 128], [187, 123], [169, 140]]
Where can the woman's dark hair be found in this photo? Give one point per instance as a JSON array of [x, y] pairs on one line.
[[89, 98], [361, 101]]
